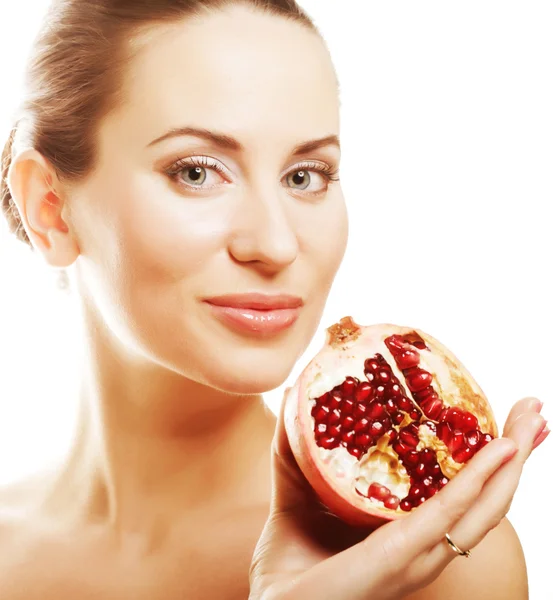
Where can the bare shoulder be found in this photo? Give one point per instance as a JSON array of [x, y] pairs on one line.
[[496, 570], [18, 507]]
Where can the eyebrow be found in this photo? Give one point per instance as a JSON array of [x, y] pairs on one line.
[[229, 143]]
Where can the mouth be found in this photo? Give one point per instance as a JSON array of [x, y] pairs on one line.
[[258, 314]]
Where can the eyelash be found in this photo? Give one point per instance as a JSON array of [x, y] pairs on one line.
[[329, 173]]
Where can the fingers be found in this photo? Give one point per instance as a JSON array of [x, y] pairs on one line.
[[497, 494], [521, 407], [425, 527]]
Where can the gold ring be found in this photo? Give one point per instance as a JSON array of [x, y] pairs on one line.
[[465, 553]]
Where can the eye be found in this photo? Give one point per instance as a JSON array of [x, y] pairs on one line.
[[302, 177], [192, 172]]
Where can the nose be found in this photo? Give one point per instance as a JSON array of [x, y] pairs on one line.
[[263, 232]]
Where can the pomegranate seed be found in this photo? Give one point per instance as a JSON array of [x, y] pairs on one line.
[[363, 392], [371, 365], [470, 422], [411, 458], [416, 491], [349, 385], [360, 410], [328, 442], [425, 393], [444, 433], [419, 380], [348, 423], [407, 359], [457, 441], [428, 456], [395, 343], [420, 471], [392, 502], [334, 430], [420, 345], [415, 414], [347, 436], [357, 452], [380, 391], [391, 407], [334, 417], [463, 454], [428, 482], [421, 500], [392, 434], [473, 439], [335, 400], [396, 392], [361, 425], [378, 491], [435, 470], [432, 407], [397, 418], [320, 428], [486, 439], [406, 505], [400, 449], [384, 377], [376, 429], [442, 482], [408, 438], [362, 439], [375, 410], [454, 417], [322, 413], [404, 404], [430, 491], [347, 406]]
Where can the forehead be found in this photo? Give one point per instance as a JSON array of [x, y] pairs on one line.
[[232, 70]]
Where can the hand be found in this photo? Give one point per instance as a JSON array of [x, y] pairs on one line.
[[305, 552]]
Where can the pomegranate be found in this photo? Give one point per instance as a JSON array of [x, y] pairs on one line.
[[382, 418]]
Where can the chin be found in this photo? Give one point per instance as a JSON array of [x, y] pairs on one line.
[[249, 380]]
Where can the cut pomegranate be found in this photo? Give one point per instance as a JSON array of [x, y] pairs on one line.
[[382, 418]]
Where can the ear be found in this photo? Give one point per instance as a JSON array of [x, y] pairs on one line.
[[33, 182]]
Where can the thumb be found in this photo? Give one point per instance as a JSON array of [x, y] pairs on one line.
[[291, 490]]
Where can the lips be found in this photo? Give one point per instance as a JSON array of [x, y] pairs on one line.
[[255, 313], [257, 301]]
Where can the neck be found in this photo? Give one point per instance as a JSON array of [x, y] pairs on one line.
[[152, 445]]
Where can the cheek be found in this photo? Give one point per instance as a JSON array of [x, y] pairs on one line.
[[163, 237], [324, 239], [148, 249]]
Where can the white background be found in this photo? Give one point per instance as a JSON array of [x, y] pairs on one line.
[[447, 129]]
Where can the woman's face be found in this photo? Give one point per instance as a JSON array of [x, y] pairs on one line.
[[166, 224]]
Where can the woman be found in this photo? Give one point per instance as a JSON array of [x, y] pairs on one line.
[[198, 295]]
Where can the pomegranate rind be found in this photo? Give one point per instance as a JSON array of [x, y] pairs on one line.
[[343, 353]]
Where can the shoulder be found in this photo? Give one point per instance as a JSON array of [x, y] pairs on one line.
[[19, 510], [496, 570]]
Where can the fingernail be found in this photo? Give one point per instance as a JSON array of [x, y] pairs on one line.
[[541, 437], [540, 430], [538, 406]]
